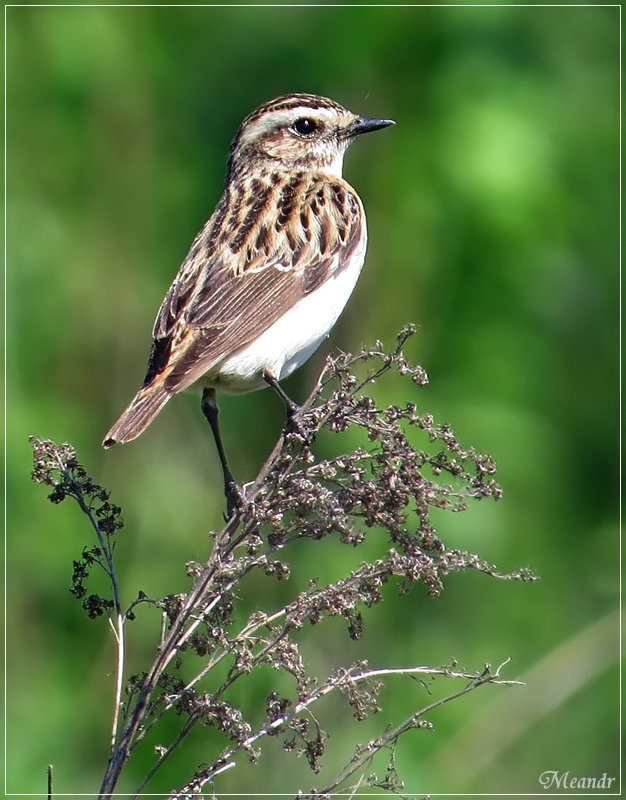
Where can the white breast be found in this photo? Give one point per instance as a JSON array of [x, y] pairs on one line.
[[293, 338]]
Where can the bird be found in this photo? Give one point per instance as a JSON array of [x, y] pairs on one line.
[[270, 272]]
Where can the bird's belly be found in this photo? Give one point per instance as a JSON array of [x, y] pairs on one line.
[[293, 338]]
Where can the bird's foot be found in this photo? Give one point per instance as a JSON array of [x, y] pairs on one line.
[[234, 498]]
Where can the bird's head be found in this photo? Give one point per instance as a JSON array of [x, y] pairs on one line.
[[298, 131]]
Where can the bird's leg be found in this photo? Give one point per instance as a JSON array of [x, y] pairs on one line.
[[292, 408], [232, 490], [293, 424]]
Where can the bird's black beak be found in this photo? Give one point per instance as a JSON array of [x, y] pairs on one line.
[[367, 124]]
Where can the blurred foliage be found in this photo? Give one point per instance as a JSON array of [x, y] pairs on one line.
[[494, 219]]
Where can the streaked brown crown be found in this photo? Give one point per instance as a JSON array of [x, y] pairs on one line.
[[291, 101]]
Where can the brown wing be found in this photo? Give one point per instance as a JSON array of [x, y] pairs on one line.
[[267, 245]]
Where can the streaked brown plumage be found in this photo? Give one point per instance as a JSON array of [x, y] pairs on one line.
[[286, 226]]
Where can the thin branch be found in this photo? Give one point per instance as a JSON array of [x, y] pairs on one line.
[[184, 731], [118, 628], [337, 682], [364, 754]]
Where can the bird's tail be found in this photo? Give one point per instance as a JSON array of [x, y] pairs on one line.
[[143, 408]]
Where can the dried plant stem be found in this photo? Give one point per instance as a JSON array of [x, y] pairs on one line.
[[187, 727], [387, 485], [165, 654], [365, 754], [118, 631], [340, 681], [116, 623]]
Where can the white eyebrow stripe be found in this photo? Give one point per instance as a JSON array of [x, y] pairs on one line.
[[284, 117]]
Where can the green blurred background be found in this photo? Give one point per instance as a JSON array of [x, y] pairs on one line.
[[493, 218]]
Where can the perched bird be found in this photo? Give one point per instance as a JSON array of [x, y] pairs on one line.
[[269, 273]]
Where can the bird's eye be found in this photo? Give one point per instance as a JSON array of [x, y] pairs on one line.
[[305, 126]]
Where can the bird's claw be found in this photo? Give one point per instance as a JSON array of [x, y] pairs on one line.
[[234, 499]]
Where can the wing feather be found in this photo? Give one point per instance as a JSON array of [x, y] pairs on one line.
[[245, 271]]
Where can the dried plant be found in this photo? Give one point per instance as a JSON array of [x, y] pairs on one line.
[[386, 485]]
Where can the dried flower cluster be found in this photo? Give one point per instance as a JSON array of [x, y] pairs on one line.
[[385, 484]]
